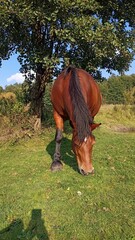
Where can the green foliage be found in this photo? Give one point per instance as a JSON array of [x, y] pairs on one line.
[[7, 101], [50, 34], [118, 89], [17, 90], [11, 100], [90, 34], [1, 89], [129, 96], [47, 111]]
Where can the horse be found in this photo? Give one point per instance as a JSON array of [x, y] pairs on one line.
[[76, 97]]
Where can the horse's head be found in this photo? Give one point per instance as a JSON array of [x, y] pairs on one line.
[[83, 152]]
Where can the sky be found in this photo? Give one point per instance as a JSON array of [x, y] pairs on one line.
[[9, 72]]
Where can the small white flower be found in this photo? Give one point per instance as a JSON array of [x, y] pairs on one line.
[[79, 193]]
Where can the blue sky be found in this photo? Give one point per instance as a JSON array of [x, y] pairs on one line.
[[9, 72]]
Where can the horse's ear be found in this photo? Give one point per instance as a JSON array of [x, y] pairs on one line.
[[94, 125]]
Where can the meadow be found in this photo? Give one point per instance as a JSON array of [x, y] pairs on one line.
[[40, 205]]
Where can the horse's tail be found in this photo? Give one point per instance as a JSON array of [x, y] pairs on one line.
[[80, 109]]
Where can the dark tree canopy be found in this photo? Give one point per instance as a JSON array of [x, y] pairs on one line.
[[51, 34], [89, 34]]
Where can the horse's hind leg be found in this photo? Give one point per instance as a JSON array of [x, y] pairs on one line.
[[56, 164]]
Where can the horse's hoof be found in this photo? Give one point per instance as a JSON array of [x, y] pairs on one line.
[[56, 166]]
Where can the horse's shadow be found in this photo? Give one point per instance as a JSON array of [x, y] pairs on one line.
[[67, 155]]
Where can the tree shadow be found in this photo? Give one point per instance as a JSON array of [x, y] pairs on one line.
[[67, 155], [36, 228]]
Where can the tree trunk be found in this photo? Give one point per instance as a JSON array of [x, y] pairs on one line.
[[38, 90]]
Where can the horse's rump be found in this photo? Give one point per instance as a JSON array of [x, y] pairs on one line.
[[75, 96]]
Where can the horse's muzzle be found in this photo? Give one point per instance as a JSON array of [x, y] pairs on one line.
[[86, 173], [83, 172]]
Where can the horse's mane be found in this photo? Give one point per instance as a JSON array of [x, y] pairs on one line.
[[81, 112]]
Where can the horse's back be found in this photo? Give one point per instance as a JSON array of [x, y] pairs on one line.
[[60, 95]]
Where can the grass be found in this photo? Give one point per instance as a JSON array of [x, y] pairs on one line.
[[37, 204]]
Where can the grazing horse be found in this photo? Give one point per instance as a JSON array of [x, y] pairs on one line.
[[76, 97]]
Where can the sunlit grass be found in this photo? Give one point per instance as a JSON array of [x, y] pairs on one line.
[[38, 204]]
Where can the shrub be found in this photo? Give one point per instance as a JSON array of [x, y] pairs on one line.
[[9, 104], [118, 90], [129, 96], [7, 101], [47, 111]]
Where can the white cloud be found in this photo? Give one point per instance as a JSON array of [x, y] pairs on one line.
[[17, 77]]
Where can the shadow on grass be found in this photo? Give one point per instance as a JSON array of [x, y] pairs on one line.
[[36, 228], [68, 157]]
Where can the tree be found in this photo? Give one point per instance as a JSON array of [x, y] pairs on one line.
[[50, 34]]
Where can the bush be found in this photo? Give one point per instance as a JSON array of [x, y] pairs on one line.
[[118, 90], [9, 104], [129, 96], [47, 111]]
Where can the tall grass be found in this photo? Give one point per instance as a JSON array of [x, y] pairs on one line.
[[117, 115]]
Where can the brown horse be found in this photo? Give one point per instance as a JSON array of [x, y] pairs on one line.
[[76, 96]]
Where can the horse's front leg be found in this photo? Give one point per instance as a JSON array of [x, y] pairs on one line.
[[56, 164]]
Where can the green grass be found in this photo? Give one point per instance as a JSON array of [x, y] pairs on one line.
[[38, 204]]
